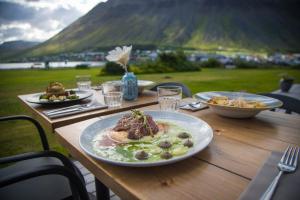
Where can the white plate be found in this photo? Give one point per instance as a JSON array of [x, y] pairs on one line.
[[235, 112], [142, 84], [201, 132], [36, 98]]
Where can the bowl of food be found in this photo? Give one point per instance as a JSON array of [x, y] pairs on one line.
[[56, 93], [237, 104], [143, 139]]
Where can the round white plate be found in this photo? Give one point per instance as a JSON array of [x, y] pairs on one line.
[[235, 112], [201, 132], [142, 84], [36, 98]]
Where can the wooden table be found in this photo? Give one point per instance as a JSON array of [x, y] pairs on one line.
[[147, 98], [221, 171]]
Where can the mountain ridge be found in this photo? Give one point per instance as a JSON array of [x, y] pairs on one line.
[[258, 25]]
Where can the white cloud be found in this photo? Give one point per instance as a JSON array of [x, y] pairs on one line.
[[48, 18], [27, 32], [82, 6], [16, 25]]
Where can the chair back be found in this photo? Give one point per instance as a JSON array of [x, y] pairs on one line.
[[290, 104]]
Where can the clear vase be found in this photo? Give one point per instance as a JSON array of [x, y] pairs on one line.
[[130, 86]]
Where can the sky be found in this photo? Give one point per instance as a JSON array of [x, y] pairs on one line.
[[39, 20]]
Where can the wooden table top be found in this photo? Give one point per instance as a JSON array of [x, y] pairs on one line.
[[221, 171], [147, 98]]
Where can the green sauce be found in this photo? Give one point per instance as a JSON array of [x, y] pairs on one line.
[[126, 152]]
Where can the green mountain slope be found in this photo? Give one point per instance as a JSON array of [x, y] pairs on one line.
[[267, 25]]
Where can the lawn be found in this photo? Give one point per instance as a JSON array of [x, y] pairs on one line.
[[17, 137]]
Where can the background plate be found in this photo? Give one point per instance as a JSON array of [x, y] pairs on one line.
[[235, 112], [35, 98]]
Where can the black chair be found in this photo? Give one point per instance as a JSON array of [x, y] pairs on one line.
[[40, 175], [290, 104], [185, 90]]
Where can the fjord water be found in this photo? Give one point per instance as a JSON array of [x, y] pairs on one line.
[[38, 65]]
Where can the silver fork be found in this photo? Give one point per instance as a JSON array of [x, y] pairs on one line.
[[194, 104], [287, 164]]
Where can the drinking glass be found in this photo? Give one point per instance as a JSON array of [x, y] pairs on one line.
[[169, 97], [112, 93], [83, 82]]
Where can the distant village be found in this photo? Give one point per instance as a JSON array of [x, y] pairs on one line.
[[195, 56]]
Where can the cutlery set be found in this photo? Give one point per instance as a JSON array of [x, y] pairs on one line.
[[73, 109]]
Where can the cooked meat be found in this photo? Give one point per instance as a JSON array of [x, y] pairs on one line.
[[165, 144], [166, 155], [183, 135], [188, 143], [141, 155], [137, 125]]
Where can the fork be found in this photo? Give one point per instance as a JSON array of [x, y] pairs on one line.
[[287, 164], [194, 104], [68, 108]]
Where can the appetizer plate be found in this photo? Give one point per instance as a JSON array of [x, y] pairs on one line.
[[36, 98], [142, 84], [236, 112], [200, 131]]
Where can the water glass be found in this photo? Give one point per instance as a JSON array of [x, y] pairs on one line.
[[83, 82], [112, 93], [169, 97]]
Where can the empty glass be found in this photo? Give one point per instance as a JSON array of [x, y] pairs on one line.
[[112, 93], [83, 82], [169, 97]]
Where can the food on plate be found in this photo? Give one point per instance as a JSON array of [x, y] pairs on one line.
[[141, 155], [165, 144], [166, 155], [188, 143], [183, 135], [137, 125], [56, 92], [238, 102], [138, 137]]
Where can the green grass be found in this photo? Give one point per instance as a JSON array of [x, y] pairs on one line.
[[17, 137]]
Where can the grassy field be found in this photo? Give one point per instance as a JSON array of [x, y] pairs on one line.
[[19, 137]]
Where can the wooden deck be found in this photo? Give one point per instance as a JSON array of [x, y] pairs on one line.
[[90, 182]]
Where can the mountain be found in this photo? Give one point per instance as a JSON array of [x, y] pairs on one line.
[[257, 25], [13, 47]]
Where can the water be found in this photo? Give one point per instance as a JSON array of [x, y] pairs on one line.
[[113, 99], [84, 85], [169, 103], [41, 65]]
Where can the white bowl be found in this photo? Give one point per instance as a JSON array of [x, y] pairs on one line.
[[235, 112]]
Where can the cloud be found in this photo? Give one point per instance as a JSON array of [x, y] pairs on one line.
[[39, 20]]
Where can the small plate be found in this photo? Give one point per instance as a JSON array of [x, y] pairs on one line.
[[142, 84], [235, 112], [201, 132], [35, 98]]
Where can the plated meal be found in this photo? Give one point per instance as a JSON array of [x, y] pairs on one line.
[[237, 104], [137, 136], [56, 93], [146, 139]]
